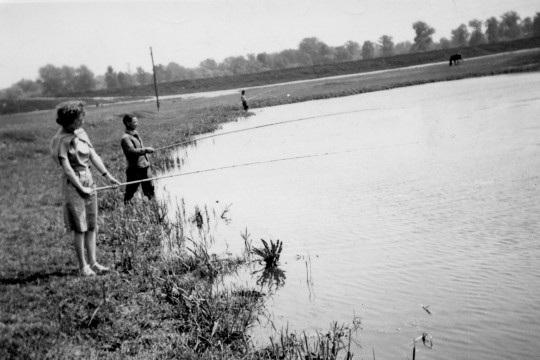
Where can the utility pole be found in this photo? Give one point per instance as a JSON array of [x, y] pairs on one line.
[[155, 82]]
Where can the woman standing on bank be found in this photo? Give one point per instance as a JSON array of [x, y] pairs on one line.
[[72, 150]]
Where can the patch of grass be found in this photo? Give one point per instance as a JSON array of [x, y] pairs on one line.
[[333, 344], [269, 253], [18, 135]]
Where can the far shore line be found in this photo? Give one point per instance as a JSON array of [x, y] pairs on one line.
[[209, 94], [236, 91]]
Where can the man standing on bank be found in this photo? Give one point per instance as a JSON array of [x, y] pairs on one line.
[[138, 165], [244, 100]]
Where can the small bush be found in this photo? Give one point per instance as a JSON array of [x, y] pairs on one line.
[[269, 253]]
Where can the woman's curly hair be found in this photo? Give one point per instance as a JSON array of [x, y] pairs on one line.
[[67, 112]]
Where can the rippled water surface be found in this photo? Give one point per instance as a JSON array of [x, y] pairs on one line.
[[427, 195]]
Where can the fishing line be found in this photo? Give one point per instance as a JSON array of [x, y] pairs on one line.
[[259, 94], [270, 88], [253, 97], [253, 163], [261, 126]]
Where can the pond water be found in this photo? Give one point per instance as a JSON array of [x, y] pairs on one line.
[[420, 196]]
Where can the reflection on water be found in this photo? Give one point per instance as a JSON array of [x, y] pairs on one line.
[[272, 278], [432, 200]]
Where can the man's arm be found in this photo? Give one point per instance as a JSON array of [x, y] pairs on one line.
[[128, 147]]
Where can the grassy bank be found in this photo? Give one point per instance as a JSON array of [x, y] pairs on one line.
[[153, 306]]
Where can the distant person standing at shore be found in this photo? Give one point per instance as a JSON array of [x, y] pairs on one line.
[[138, 165], [244, 100], [72, 150]]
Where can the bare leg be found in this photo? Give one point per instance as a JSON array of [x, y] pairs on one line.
[[90, 245], [78, 239]]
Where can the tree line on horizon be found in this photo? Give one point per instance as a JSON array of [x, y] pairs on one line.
[[54, 81]]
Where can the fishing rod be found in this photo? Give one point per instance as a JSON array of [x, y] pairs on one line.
[[254, 96], [250, 164], [259, 127], [259, 94]]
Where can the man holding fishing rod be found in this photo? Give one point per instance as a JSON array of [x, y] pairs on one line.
[[138, 165], [244, 100]]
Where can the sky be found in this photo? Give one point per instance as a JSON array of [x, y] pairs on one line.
[[120, 33]]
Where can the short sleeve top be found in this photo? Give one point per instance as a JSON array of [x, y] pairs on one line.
[[73, 146]]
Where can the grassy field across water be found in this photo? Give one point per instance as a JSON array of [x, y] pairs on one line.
[[152, 306], [183, 87]]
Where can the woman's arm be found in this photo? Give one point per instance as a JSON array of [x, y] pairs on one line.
[[98, 163], [73, 178]]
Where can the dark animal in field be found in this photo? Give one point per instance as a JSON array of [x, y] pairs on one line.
[[456, 58]]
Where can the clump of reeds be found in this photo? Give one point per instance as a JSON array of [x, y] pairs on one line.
[[247, 243], [269, 253], [136, 233], [324, 345], [211, 320], [202, 260], [198, 218], [224, 214]]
